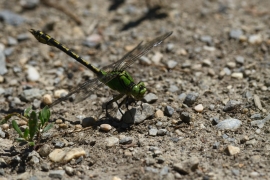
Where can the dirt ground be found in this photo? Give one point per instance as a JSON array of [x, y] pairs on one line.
[[217, 56]]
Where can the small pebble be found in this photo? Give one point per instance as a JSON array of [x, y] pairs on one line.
[[159, 114], [236, 33], [240, 59], [126, 140], [150, 98], [45, 150], [69, 170], [185, 117], [255, 39], [105, 127], [58, 121], [5, 126], [199, 108], [237, 75], [229, 124], [57, 174], [153, 132], [74, 153], [169, 110], [190, 99], [171, 64], [111, 141], [32, 74], [60, 93], [232, 150], [157, 57], [162, 132], [47, 99], [63, 126]]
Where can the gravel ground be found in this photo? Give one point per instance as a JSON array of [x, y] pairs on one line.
[[207, 111]]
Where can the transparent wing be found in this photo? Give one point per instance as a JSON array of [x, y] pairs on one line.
[[136, 53], [85, 90]]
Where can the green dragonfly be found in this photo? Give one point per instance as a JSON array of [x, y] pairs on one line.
[[114, 75]]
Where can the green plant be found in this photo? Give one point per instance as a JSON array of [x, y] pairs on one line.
[[37, 123]]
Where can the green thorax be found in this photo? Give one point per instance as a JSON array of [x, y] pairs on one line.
[[124, 84]]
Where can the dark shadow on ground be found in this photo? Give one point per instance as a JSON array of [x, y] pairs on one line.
[[115, 4], [152, 14]]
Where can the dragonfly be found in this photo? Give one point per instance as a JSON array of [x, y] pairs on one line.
[[114, 75]]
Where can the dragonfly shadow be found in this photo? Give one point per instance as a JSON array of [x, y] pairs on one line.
[[152, 14], [115, 4]]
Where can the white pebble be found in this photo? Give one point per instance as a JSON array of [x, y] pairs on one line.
[[237, 75], [60, 93], [199, 108], [32, 74]]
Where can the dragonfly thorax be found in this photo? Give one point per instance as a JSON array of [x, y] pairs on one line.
[[138, 90]]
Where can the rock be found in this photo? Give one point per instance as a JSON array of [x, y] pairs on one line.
[[207, 62], [138, 114], [150, 161], [257, 102], [126, 140], [190, 99], [150, 98], [47, 99], [31, 94], [171, 64], [187, 166], [206, 39], [3, 163], [45, 150], [152, 132], [111, 141], [74, 153], [252, 142], [231, 105], [57, 174], [236, 33], [11, 18], [5, 126], [235, 172], [185, 117], [157, 57], [44, 167], [69, 170], [29, 4], [57, 155], [162, 132], [198, 108], [232, 150], [231, 64], [89, 121], [92, 40], [173, 88], [105, 127], [60, 93], [3, 68], [170, 47], [159, 114], [32, 74], [145, 60], [23, 176], [237, 75], [169, 111], [240, 59], [229, 124], [255, 39]]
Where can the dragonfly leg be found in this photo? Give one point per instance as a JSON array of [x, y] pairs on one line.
[[114, 100]]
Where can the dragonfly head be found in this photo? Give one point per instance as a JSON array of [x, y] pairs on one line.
[[139, 90]]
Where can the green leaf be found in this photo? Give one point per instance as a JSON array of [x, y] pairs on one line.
[[20, 140], [48, 127], [33, 124], [41, 120], [26, 133], [45, 113], [27, 111], [31, 143], [16, 127]]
